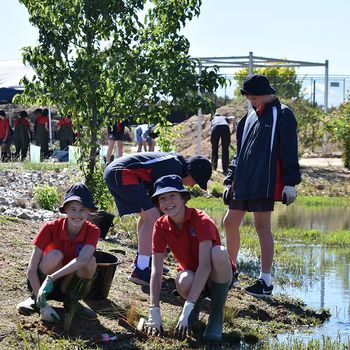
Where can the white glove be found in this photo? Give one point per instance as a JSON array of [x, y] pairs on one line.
[[48, 314], [182, 324], [289, 194], [154, 324]]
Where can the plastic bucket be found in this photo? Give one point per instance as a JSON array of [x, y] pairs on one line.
[[34, 153], [102, 220], [106, 267]]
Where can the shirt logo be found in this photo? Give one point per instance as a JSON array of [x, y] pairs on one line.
[[192, 232], [267, 125]]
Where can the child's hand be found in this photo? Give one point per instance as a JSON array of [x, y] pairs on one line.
[[182, 324], [48, 314], [154, 324], [44, 291]]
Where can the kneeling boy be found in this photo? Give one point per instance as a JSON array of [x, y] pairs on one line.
[[203, 262]]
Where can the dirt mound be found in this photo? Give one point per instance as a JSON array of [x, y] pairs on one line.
[[186, 145]]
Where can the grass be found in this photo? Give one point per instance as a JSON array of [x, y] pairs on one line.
[[36, 166], [307, 201]]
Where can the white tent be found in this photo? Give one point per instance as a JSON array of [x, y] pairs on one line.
[[11, 72]]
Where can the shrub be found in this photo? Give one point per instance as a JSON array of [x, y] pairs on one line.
[[46, 196], [217, 189]]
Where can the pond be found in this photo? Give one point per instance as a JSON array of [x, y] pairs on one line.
[[326, 276], [320, 218]]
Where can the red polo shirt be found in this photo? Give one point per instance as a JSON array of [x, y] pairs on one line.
[[54, 235], [184, 244], [42, 119]]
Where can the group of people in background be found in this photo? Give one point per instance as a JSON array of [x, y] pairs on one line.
[[151, 184], [24, 131]]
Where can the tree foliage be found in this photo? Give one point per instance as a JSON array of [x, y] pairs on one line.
[[100, 57], [310, 123], [283, 79], [338, 126]]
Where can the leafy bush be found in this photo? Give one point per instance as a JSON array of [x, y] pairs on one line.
[[102, 197], [46, 196], [217, 189]]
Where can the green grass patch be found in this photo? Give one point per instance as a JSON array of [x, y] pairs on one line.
[[308, 201], [322, 201], [36, 166]]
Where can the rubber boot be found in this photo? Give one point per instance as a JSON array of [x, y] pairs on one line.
[[213, 332], [77, 289]]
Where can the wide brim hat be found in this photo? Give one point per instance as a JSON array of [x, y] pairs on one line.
[[257, 85], [168, 183], [199, 167], [78, 192]]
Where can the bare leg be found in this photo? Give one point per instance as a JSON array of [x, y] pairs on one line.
[[263, 228], [148, 219], [232, 221], [120, 148], [184, 282], [221, 265], [110, 150]]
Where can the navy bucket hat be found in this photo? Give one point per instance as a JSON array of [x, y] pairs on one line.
[[78, 192], [199, 168], [257, 85], [168, 183]]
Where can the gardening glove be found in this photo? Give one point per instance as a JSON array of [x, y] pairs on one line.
[[48, 314], [182, 324], [289, 194], [227, 195], [154, 324], [44, 291]]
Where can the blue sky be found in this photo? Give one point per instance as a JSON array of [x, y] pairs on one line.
[[306, 30], [303, 30]]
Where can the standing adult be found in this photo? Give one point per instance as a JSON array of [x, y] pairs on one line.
[[130, 180], [116, 133], [265, 169], [4, 135], [220, 131], [143, 138], [42, 130], [22, 135], [65, 131]]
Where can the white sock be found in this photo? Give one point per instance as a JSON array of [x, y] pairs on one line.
[[143, 261], [266, 277]]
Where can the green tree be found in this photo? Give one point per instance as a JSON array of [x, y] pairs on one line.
[[283, 79], [100, 57], [310, 123], [338, 126]]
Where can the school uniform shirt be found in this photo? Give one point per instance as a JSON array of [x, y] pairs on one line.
[[42, 120], [145, 168], [184, 244], [54, 235], [22, 120], [4, 127]]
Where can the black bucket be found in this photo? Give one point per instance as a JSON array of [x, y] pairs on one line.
[[102, 220], [106, 267]]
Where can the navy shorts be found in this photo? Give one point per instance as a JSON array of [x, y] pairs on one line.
[[130, 199], [116, 135], [252, 205], [56, 293]]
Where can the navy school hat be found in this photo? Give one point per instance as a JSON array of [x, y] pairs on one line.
[[257, 85], [78, 192], [199, 168], [23, 114], [169, 183]]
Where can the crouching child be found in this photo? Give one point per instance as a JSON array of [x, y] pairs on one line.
[[62, 264], [203, 263]]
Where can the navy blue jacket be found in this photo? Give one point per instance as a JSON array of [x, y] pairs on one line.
[[254, 170]]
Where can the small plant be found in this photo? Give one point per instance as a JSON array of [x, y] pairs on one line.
[[46, 196], [217, 190], [102, 197]]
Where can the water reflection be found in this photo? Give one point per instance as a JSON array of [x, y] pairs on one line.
[[321, 218], [327, 285], [326, 274]]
